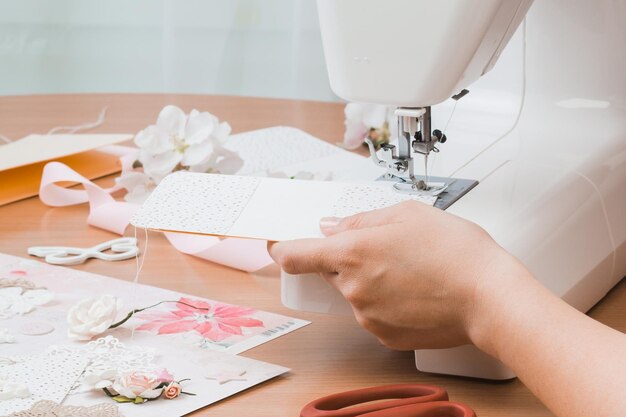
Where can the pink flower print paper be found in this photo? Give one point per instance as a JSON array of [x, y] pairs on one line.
[[216, 323]]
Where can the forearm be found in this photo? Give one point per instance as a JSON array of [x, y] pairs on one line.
[[575, 365]]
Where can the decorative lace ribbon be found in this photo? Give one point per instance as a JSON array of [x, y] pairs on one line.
[[51, 409]]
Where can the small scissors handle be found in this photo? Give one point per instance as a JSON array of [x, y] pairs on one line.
[[399, 397], [431, 409]]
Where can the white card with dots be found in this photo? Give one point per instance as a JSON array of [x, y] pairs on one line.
[[47, 377], [273, 209]]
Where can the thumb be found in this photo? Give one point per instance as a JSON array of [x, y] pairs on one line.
[[333, 225]]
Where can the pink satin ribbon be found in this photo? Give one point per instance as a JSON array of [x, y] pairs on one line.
[[108, 214]]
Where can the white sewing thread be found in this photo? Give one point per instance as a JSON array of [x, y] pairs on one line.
[[72, 129]]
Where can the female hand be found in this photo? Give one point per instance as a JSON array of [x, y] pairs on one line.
[[415, 276]]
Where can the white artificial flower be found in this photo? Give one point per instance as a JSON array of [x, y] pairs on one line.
[[16, 301], [142, 384], [360, 118], [138, 184], [6, 337], [99, 379], [10, 390], [92, 316], [177, 139]]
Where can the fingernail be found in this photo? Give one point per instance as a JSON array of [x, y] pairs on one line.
[[329, 222]]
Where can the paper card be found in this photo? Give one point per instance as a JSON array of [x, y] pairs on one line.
[[22, 161], [39, 148], [289, 151], [258, 208], [213, 376], [47, 377], [197, 343]]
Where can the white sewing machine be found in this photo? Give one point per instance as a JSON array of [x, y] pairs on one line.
[[543, 134]]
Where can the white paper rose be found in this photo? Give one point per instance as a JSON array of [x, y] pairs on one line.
[[138, 384], [10, 390], [92, 316]]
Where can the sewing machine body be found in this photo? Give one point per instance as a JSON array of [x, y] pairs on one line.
[[544, 134]]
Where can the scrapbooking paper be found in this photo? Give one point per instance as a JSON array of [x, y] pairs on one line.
[[39, 148], [210, 375], [190, 337], [259, 208], [287, 151], [42, 376], [22, 161]]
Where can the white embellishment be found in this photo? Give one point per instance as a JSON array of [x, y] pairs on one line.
[[16, 301], [92, 316], [10, 389], [6, 337], [120, 249], [47, 377], [225, 375], [107, 358]]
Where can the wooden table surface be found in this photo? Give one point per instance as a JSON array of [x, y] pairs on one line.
[[332, 354]]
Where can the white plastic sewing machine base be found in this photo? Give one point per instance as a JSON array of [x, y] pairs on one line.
[[310, 292], [544, 133]]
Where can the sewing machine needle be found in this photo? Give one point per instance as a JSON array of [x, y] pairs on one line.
[[426, 170]]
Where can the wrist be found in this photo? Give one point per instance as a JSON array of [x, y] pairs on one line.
[[501, 297]]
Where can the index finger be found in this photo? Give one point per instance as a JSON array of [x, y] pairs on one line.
[[305, 255]]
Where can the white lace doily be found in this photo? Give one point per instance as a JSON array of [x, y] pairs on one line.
[[52, 409], [106, 354]]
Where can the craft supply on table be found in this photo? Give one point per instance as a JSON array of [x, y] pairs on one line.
[[121, 249], [402, 400], [281, 149], [193, 340], [258, 208]]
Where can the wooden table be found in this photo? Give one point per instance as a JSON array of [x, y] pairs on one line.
[[332, 354]]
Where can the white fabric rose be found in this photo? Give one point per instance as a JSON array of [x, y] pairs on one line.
[[138, 384], [10, 390], [92, 316]]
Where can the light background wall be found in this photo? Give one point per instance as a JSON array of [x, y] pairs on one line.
[[269, 48]]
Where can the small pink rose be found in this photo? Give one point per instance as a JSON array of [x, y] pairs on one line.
[[172, 390]]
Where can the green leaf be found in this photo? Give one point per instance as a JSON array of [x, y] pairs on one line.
[[139, 400], [122, 399]]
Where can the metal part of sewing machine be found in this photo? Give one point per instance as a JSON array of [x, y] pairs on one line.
[[416, 138]]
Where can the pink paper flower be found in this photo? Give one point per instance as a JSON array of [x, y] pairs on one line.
[[138, 384], [214, 322], [172, 391]]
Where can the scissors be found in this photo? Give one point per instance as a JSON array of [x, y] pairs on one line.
[[122, 248], [403, 400]]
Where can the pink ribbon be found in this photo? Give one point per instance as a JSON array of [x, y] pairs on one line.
[[108, 214]]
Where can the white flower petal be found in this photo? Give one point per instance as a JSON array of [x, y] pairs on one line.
[[160, 166], [374, 115], [172, 120], [196, 154], [199, 127], [153, 140], [151, 393]]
